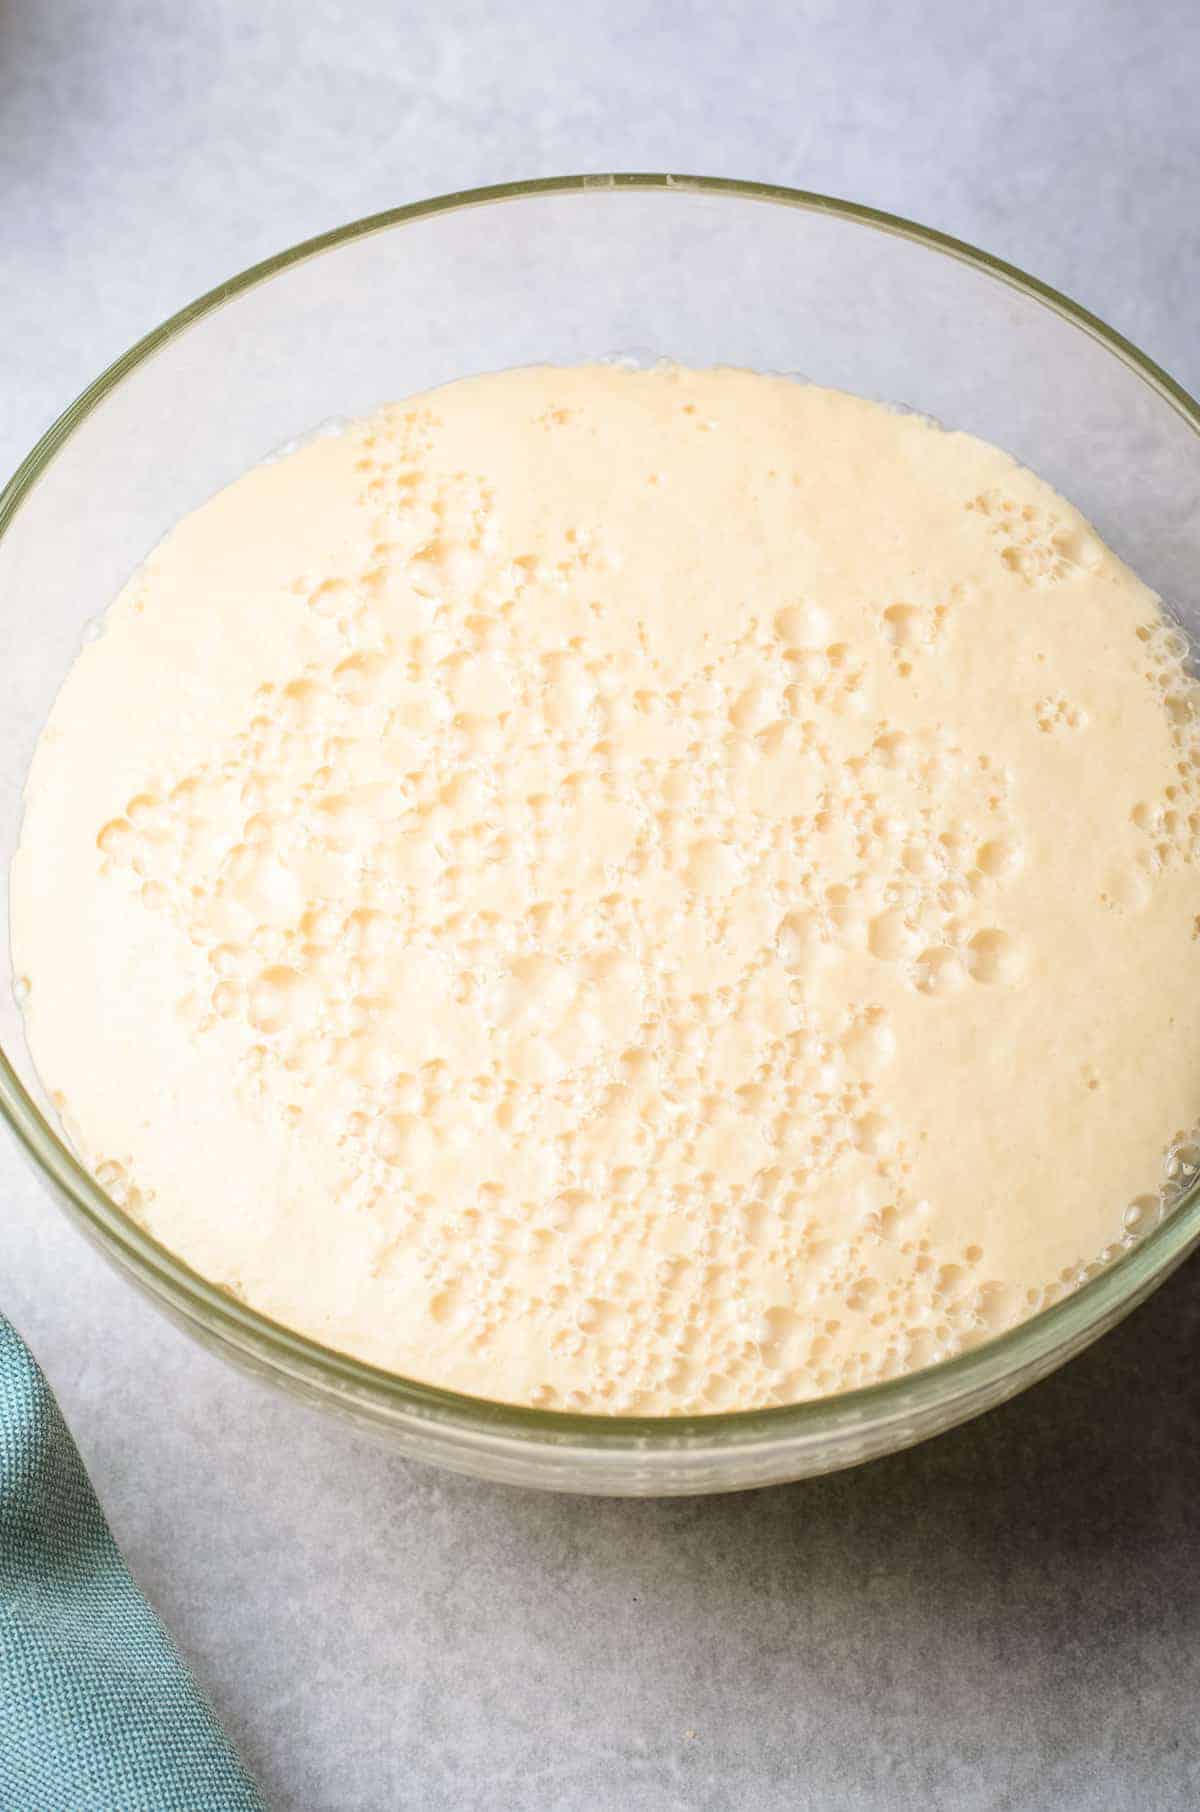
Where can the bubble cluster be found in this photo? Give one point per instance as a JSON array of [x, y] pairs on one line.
[[1040, 546], [531, 842], [592, 963], [1057, 716], [1168, 824], [118, 1183]]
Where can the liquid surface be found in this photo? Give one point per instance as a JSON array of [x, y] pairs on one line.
[[630, 891]]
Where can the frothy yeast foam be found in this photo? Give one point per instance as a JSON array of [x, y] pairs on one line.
[[631, 891]]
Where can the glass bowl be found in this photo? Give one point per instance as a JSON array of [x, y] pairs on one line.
[[566, 270]]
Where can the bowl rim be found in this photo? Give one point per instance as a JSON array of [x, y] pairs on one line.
[[1030, 1349]]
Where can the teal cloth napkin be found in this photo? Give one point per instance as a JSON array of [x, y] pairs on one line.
[[97, 1711]]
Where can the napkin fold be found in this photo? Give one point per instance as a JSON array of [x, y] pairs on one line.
[[98, 1712]]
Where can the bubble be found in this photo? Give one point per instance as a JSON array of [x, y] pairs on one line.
[[711, 865], [995, 958], [809, 670], [800, 942], [112, 1178], [921, 862], [1141, 1214], [873, 1135], [903, 625], [450, 1307], [1000, 858], [116, 839], [938, 970], [803, 625], [891, 937], [754, 708], [1079, 547], [1183, 1161], [279, 997]]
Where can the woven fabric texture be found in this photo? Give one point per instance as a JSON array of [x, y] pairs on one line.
[[98, 1712]]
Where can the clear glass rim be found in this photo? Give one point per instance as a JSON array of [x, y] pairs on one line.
[[1029, 1348]]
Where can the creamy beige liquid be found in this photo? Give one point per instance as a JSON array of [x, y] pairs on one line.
[[646, 892]]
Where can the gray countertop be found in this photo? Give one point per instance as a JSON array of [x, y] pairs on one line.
[[1008, 1617]]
